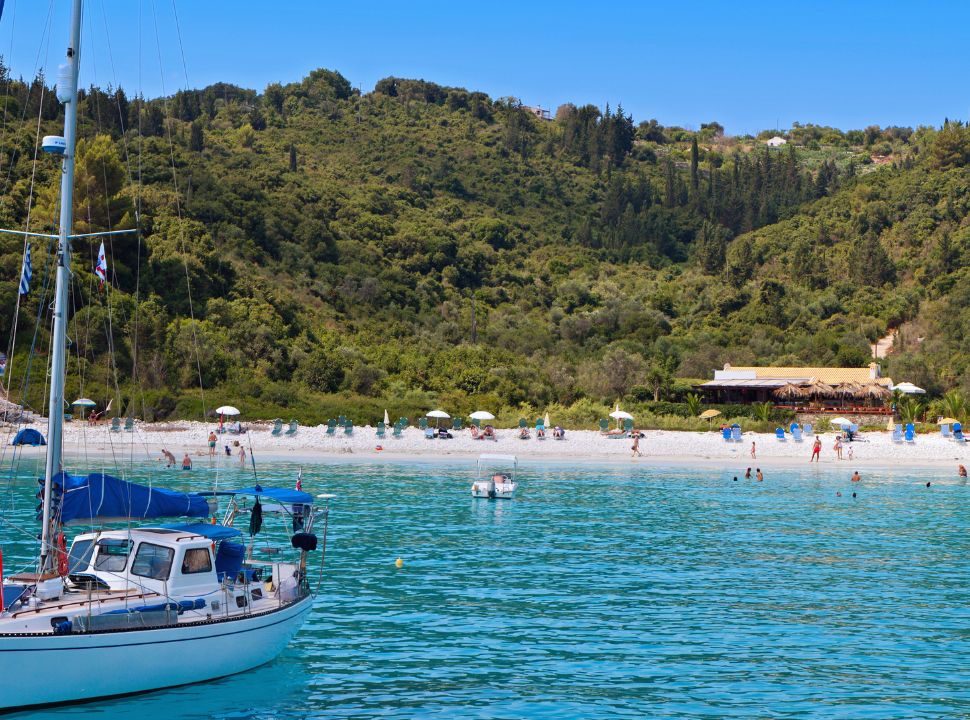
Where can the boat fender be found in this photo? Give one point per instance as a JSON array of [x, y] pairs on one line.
[[304, 541], [62, 564]]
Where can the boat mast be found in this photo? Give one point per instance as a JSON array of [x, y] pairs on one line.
[[67, 94]]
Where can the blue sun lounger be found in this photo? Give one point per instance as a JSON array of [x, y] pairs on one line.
[[910, 432], [780, 434], [726, 434]]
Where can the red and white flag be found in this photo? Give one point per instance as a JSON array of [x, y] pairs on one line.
[[101, 269]]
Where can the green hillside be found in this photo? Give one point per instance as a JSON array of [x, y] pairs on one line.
[[310, 251]]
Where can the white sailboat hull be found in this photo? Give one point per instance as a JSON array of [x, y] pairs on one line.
[[47, 669]]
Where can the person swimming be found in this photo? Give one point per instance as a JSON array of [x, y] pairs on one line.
[[856, 477], [747, 474], [962, 471], [759, 475]]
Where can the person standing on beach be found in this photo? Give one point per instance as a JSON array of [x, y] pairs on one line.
[[242, 455], [212, 444], [816, 449], [636, 445], [759, 475], [838, 447], [186, 462], [754, 455]]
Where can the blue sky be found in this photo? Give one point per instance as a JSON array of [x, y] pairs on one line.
[[748, 65]]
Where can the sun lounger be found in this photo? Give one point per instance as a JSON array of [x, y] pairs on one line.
[[628, 425], [736, 433], [523, 423], [331, 427], [945, 431], [422, 423], [726, 434], [294, 426], [115, 424], [897, 434], [429, 433], [457, 424], [796, 433], [342, 420], [780, 434], [475, 422], [397, 430], [130, 424], [540, 429], [381, 429], [910, 432], [958, 433], [277, 426], [349, 427], [604, 426], [808, 429]]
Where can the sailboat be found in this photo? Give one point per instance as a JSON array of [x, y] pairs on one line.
[[148, 606]]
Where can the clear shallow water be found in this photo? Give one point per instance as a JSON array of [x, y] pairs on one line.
[[612, 591]]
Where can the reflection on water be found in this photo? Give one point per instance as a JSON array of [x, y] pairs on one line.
[[613, 591]]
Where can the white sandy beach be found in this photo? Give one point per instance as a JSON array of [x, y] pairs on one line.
[[311, 444]]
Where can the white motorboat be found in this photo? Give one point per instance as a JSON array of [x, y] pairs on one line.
[[496, 477], [132, 609]]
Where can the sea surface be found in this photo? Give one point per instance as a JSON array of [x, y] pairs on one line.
[[613, 591]]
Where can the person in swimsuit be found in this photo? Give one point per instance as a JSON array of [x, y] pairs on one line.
[[759, 475], [212, 444], [816, 449], [856, 477], [962, 471], [186, 462]]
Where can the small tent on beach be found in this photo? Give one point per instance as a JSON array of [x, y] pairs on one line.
[[29, 436]]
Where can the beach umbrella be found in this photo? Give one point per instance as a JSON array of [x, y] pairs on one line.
[[439, 415], [482, 415], [620, 415], [875, 390], [83, 403], [709, 415], [909, 389], [789, 391], [848, 389], [840, 421], [387, 419], [545, 420], [818, 388], [224, 411], [946, 421]]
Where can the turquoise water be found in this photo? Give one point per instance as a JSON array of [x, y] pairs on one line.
[[614, 591]]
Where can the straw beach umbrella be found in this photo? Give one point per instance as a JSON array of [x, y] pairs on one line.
[[817, 388], [789, 391], [875, 390], [709, 415]]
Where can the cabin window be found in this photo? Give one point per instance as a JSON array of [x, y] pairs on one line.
[[80, 555], [152, 561], [196, 560], [112, 555]]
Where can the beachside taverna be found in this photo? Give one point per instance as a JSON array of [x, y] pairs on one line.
[[822, 389]]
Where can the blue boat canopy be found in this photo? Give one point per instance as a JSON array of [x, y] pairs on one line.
[[213, 532], [29, 436], [102, 497], [281, 495]]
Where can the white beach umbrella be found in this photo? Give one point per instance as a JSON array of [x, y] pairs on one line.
[[909, 389], [439, 415], [621, 415], [84, 402], [482, 415], [227, 410], [545, 420], [840, 421], [387, 419]]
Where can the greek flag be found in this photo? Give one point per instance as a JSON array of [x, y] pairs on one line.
[[26, 273], [101, 269]]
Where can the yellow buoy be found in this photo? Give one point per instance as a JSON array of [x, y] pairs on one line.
[[399, 563]]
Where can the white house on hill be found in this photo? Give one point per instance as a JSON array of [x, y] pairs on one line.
[[776, 141]]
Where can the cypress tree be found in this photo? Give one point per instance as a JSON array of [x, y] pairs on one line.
[[694, 179], [292, 158]]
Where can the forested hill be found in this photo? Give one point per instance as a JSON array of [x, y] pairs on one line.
[[308, 249]]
